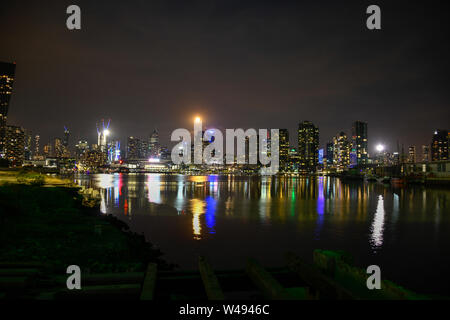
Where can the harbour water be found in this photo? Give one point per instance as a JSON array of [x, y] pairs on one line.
[[405, 231]]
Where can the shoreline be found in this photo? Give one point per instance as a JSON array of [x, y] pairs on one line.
[[55, 226]]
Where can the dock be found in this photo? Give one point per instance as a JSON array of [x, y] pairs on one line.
[[331, 276]]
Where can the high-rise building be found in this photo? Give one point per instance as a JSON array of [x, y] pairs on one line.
[[58, 148], [37, 150], [293, 159], [133, 148], [439, 145], [308, 146], [15, 144], [66, 137], [329, 152], [7, 72], [103, 133], [27, 145], [48, 150], [114, 151], [425, 153], [153, 144], [341, 152], [412, 154], [284, 149], [359, 143], [81, 148]]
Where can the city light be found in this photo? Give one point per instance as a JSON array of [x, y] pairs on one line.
[[106, 132], [380, 148]]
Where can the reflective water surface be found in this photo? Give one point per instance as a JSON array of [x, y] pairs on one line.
[[228, 219]]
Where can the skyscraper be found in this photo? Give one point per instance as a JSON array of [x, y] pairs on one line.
[[27, 145], [425, 153], [7, 72], [153, 144], [15, 144], [359, 143], [81, 148], [133, 148], [65, 143], [439, 145], [284, 148], [341, 152], [37, 151], [48, 150], [412, 154], [58, 147], [103, 133], [329, 152], [308, 146]]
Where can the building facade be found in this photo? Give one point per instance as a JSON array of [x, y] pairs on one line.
[[7, 72], [359, 143], [15, 145], [284, 149], [308, 146], [341, 152], [439, 145]]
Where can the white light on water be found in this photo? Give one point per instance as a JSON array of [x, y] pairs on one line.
[[378, 224]]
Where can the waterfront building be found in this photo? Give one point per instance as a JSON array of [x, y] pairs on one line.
[[92, 159], [114, 151], [48, 150], [359, 143], [284, 149], [81, 148], [27, 145], [58, 148], [328, 157], [153, 145], [133, 148], [102, 134], [412, 154], [425, 153], [37, 150], [293, 159], [308, 146], [15, 144], [439, 145], [7, 72], [341, 152]]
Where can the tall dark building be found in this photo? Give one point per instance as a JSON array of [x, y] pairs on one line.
[[284, 148], [439, 145], [153, 144], [329, 154], [308, 146], [66, 137], [7, 72], [133, 146], [359, 143], [15, 144]]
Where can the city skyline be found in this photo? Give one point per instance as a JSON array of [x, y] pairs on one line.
[[143, 80]]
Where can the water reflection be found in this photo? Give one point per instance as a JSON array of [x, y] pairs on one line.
[[378, 225], [323, 206]]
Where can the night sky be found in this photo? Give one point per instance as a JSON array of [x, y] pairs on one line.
[[248, 64]]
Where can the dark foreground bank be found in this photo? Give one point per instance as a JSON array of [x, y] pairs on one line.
[[50, 225]]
